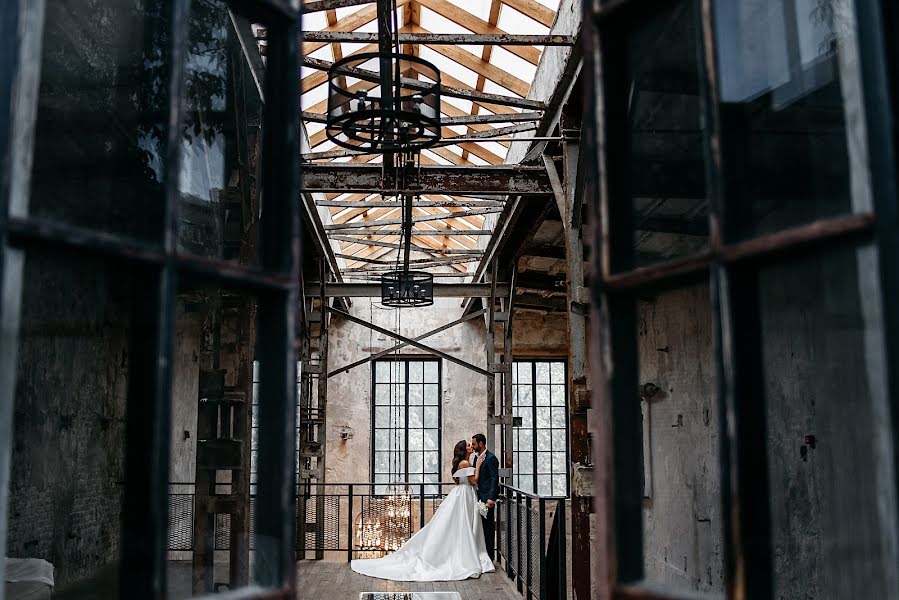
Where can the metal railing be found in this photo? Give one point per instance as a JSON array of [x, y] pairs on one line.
[[534, 558], [530, 530]]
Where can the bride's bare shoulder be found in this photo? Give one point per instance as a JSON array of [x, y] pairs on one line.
[[463, 464]]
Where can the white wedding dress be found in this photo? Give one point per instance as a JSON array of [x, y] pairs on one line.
[[449, 548]]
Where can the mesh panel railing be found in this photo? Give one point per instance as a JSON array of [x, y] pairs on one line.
[[531, 542]]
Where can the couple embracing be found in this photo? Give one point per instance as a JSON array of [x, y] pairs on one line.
[[457, 543]]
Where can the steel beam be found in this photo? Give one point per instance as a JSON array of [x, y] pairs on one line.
[[459, 214], [416, 84], [432, 179], [373, 290], [417, 204], [376, 356], [397, 246], [411, 342], [522, 117], [454, 39], [420, 232]]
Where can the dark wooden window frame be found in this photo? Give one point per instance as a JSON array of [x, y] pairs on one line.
[[405, 360], [276, 283], [729, 268]]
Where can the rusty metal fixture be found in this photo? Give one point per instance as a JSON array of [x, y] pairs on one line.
[[400, 115]]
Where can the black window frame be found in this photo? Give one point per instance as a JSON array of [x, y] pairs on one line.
[[534, 451], [729, 267], [276, 283], [406, 359]]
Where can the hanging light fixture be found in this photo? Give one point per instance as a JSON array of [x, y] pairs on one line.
[[402, 113], [401, 116], [407, 289]]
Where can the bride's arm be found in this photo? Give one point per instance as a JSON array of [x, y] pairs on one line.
[[477, 472]]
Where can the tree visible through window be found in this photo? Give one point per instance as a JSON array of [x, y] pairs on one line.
[[406, 422], [540, 443]]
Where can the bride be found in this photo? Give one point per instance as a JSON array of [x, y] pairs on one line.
[[451, 546]]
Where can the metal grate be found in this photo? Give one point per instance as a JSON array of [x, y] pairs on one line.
[[536, 553], [181, 522]]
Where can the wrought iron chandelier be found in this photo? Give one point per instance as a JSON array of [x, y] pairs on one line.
[[402, 113]]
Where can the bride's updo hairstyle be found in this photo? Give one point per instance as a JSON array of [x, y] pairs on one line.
[[459, 454]]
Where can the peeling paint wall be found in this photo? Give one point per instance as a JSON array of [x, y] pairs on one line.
[[683, 545]]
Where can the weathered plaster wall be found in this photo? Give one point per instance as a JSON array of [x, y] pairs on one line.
[[464, 402], [829, 450], [682, 516], [69, 425]]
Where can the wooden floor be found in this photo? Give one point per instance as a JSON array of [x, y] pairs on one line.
[[334, 580]]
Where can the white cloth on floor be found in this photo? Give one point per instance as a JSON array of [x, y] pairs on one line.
[[28, 569], [449, 548]]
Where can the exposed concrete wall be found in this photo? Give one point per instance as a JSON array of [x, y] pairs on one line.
[[833, 507], [69, 425], [682, 517], [464, 402]]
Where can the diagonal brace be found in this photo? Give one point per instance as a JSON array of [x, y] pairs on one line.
[[404, 344], [410, 342]]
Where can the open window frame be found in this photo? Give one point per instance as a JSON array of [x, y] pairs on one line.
[[276, 282]]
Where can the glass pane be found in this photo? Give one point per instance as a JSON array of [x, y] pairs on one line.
[[523, 370], [525, 439], [382, 439], [543, 417], [219, 203], [416, 394], [666, 182], [526, 414], [558, 416], [790, 84], [382, 416], [544, 485], [431, 395], [416, 416], [557, 373], [827, 402], [416, 439], [559, 441], [559, 462], [76, 356], [431, 442], [525, 395], [431, 462], [544, 462], [102, 111], [526, 462], [382, 372], [559, 486], [542, 369], [543, 395], [382, 394], [416, 462], [544, 439], [416, 372], [677, 380], [430, 372], [382, 462], [431, 416], [557, 395]]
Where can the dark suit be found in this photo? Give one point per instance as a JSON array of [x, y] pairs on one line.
[[488, 488]]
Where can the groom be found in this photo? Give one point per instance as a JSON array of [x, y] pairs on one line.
[[488, 486]]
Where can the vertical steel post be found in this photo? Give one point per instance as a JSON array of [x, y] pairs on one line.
[[349, 524], [540, 553]]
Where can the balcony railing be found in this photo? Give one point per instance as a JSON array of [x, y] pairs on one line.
[[531, 542], [530, 529]]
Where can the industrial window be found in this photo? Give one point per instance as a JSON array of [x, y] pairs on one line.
[[406, 422], [747, 279], [540, 442], [128, 185]]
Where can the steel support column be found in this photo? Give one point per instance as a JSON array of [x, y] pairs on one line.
[[579, 393]]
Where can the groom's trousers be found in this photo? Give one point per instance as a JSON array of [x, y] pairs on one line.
[[490, 530]]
